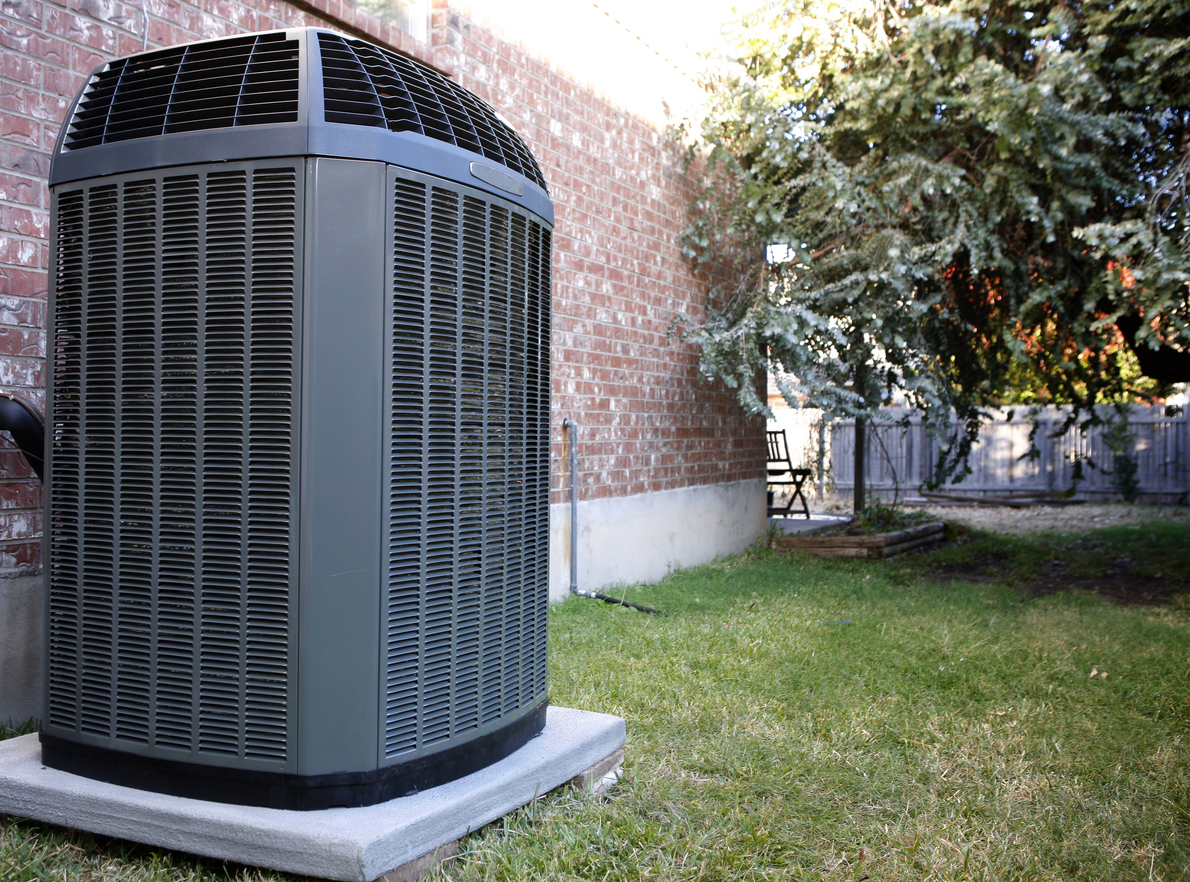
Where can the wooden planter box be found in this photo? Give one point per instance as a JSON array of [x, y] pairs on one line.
[[881, 546]]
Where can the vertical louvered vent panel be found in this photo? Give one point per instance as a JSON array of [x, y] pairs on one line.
[[370, 86], [442, 464], [241, 81], [503, 550], [138, 420], [468, 467], [177, 609], [537, 448], [98, 516], [270, 457], [499, 591], [473, 419], [225, 366], [65, 492], [407, 476], [174, 359]]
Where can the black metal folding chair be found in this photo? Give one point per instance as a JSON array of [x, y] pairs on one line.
[[782, 475]]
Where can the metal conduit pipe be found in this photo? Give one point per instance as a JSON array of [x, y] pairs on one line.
[[571, 429]]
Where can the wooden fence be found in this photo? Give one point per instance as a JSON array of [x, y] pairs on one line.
[[901, 460]]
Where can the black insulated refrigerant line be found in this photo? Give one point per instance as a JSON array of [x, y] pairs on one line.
[[27, 426], [571, 428]]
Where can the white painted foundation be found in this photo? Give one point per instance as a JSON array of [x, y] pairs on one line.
[[630, 540]]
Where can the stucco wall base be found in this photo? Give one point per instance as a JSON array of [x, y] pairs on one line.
[[628, 540], [20, 648]]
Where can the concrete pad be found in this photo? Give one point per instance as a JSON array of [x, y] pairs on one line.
[[349, 844], [798, 526]]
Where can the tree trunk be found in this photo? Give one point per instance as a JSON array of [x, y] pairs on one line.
[[860, 444], [1163, 364]]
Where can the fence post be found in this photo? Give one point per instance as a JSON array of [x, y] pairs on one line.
[[1046, 445], [1182, 451], [821, 457]]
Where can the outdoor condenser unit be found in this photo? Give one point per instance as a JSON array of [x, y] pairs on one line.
[[299, 403]]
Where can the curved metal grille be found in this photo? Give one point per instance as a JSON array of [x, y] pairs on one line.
[[468, 468], [242, 81], [365, 85]]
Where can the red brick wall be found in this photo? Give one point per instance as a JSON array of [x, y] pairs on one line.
[[647, 421]]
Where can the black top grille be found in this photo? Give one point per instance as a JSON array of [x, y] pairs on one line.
[[366, 85], [242, 81], [245, 82]]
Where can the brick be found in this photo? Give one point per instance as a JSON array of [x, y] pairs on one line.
[[16, 495], [19, 129], [163, 34], [84, 61], [80, 30], [110, 12], [18, 38], [208, 25], [20, 69], [17, 251], [29, 11], [24, 221], [13, 467], [131, 44], [22, 372], [20, 524], [20, 558], [49, 135], [167, 10], [273, 8], [236, 13], [62, 81], [17, 284], [25, 342]]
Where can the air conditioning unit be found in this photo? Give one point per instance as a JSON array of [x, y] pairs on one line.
[[299, 405]]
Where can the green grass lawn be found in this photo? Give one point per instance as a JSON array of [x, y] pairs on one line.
[[989, 711]]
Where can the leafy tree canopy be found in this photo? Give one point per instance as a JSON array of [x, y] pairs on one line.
[[974, 202]]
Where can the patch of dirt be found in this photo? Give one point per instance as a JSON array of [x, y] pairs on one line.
[[980, 568], [1126, 589], [1118, 581]]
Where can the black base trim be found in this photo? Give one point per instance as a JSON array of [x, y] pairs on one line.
[[285, 791]]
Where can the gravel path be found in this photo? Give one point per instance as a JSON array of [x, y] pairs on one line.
[[1067, 518]]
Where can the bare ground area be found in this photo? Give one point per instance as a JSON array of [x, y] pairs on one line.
[[1118, 577], [1058, 518]]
